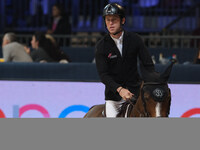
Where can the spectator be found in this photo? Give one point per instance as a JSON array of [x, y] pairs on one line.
[[43, 48], [46, 49], [14, 51], [59, 54], [60, 23], [197, 58]]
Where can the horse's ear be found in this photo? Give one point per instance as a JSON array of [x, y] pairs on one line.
[[165, 75]]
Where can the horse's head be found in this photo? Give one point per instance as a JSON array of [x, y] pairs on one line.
[[155, 95], [156, 99]]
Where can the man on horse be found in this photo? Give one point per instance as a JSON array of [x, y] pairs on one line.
[[116, 60]]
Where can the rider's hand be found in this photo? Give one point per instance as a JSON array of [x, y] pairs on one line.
[[125, 93]]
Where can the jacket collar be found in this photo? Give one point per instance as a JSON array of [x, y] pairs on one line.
[[113, 46]]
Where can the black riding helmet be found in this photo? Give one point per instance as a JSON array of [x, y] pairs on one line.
[[114, 9]]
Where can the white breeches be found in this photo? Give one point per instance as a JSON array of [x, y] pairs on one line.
[[113, 108]]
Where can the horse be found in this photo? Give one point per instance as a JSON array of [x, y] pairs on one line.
[[154, 99]]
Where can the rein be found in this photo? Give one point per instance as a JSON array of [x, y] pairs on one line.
[[141, 114], [146, 114]]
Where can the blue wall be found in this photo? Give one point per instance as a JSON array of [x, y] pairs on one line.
[[83, 72], [86, 54]]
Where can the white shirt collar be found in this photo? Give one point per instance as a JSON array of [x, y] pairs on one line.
[[119, 40]]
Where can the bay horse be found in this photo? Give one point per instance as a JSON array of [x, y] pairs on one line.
[[154, 99]]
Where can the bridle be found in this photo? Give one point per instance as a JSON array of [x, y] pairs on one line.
[[146, 113]]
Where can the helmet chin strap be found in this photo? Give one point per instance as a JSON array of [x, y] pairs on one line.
[[118, 31]]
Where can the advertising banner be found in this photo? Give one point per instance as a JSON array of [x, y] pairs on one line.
[[51, 99]]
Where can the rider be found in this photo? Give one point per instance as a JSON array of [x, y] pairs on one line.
[[116, 60]]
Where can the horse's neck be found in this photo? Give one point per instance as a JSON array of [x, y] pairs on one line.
[[138, 109]]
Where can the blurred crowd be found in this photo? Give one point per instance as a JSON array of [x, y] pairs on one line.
[[45, 48]]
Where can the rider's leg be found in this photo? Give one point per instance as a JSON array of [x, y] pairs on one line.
[[113, 108]]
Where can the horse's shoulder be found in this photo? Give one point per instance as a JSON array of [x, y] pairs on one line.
[[98, 106], [95, 111]]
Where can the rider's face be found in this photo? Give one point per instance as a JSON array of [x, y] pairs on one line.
[[113, 23]]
